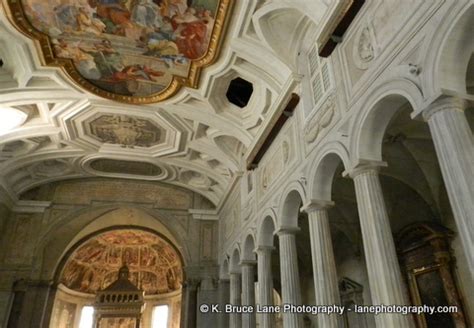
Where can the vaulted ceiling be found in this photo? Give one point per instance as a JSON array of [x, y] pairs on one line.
[[197, 138]]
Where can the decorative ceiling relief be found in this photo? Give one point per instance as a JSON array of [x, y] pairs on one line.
[[125, 167], [134, 51], [364, 50], [154, 264], [127, 131], [52, 168]]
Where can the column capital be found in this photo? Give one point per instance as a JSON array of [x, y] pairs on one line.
[[315, 205], [286, 230], [248, 263], [364, 166], [234, 272], [191, 282], [264, 248], [444, 103]]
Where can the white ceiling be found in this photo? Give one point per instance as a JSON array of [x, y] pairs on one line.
[[204, 139]]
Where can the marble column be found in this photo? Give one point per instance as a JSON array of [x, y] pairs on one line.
[[324, 267], [19, 292], [248, 292], [386, 285], [189, 306], [265, 284], [290, 278], [454, 144], [224, 298], [235, 299], [32, 305]]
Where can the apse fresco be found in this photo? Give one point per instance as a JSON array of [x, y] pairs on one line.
[[154, 265], [127, 48]]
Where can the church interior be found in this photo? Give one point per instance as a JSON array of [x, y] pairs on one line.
[[236, 163]]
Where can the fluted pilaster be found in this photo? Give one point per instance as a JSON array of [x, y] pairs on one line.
[[265, 284], [454, 144], [324, 267], [386, 286], [235, 299], [248, 292], [290, 279]]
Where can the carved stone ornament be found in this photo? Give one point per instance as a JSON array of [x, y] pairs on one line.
[[364, 48], [125, 50], [320, 120], [273, 168]]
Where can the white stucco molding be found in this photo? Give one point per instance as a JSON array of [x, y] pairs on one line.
[[31, 206], [209, 215]]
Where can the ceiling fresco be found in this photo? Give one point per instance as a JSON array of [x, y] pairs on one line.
[[154, 264], [135, 51]]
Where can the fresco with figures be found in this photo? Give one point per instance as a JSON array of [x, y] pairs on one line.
[[154, 264], [126, 49]]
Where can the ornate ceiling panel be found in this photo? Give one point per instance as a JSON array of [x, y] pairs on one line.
[[134, 51], [128, 131], [195, 139], [113, 129], [154, 264]]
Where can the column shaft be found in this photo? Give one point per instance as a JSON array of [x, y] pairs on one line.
[[265, 285], [386, 285], [248, 293], [290, 279], [188, 318], [224, 298], [454, 144], [235, 299], [324, 267]]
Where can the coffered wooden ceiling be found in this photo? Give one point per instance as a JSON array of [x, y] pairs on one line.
[[102, 102]]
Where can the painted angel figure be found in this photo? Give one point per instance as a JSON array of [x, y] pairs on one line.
[[146, 13]]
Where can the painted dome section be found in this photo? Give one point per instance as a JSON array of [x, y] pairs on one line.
[[154, 264], [135, 51]]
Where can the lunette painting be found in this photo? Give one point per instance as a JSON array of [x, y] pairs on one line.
[[136, 51]]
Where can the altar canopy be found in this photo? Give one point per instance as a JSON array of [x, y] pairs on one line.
[[120, 305]]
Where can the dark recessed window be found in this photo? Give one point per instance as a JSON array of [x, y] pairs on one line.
[[239, 92], [1, 62]]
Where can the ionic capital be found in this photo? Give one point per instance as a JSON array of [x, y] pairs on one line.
[[364, 167], [316, 205], [444, 103], [287, 230]]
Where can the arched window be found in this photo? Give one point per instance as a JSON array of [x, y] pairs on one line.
[[160, 316], [87, 317], [320, 78]]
